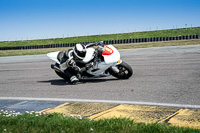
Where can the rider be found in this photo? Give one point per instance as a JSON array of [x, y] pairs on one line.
[[72, 61]]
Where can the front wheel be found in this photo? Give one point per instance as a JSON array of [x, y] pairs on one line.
[[125, 71]]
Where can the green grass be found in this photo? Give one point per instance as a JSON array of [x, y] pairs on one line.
[[147, 34], [57, 123], [118, 46], [4, 53]]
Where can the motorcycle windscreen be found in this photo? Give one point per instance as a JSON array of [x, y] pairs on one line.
[[110, 54]]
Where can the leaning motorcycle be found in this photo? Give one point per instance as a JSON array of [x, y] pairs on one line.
[[108, 64]]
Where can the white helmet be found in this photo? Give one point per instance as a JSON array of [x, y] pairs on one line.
[[80, 51]]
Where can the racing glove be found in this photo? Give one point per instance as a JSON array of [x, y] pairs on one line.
[[71, 63], [89, 65]]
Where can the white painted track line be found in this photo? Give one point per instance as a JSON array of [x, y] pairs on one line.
[[102, 101]]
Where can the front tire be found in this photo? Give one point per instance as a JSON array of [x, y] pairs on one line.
[[125, 71]]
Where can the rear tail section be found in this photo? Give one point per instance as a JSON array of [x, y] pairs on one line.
[[53, 56]]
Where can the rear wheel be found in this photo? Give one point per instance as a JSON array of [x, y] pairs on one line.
[[60, 74], [125, 71]]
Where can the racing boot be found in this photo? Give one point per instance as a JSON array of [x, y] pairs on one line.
[[74, 80]]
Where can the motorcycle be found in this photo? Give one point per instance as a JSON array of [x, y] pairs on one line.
[[108, 64]]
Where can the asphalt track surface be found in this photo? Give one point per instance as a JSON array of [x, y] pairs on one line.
[[162, 76]]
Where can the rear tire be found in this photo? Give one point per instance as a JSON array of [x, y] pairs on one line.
[[60, 74], [125, 71]]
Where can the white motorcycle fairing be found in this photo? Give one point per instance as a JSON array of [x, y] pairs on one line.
[[114, 57], [53, 56], [111, 59]]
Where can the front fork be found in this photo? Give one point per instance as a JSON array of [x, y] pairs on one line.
[[115, 68]]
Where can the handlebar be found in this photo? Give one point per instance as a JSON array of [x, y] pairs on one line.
[[95, 44]]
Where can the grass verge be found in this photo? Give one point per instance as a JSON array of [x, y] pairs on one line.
[[146, 34], [29, 51], [118, 46], [34, 123]]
